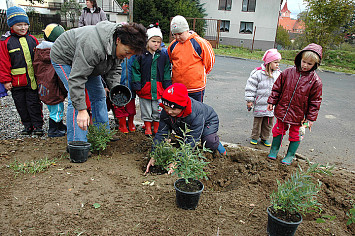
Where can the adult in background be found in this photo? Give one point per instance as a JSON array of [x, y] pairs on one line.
[[80, 56], [192, 58], [91, 14]]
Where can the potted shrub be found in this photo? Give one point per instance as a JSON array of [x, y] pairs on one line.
[[294, 197], [188, 164]]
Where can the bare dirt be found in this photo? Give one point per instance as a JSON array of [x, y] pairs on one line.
[[62, 199]]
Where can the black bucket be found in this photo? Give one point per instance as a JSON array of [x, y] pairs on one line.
[[79, 151], [120, 95], [277, 227], [188, 200]]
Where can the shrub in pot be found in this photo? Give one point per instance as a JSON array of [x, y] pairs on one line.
[[187, 162], [294, 197]]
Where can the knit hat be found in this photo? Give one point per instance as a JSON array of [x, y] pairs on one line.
[[271, 55], [16, 15], [154, 32], [179, 25], [175, 96], [52, 32]]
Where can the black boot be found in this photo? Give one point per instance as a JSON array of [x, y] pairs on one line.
[[62, 127], [53, 130], [27, 131]]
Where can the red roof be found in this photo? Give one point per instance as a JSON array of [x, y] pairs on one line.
[[285, 9]]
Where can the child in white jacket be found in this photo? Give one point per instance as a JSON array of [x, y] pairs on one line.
[[257, 91]]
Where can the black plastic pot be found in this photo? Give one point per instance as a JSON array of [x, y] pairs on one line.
[[277, 227], [188, 200], [79, 151], [120, 95]]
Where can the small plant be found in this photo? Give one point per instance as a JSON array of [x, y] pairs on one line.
[[299, 192], [351, 215], [99, 135], [187, 161], [33, 166]]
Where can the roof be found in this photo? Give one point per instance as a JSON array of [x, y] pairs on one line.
[[285, 8]]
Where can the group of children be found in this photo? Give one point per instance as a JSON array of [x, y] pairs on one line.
[[292, 96]]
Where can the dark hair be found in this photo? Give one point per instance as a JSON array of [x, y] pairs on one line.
[[133, 35], [94, 3]]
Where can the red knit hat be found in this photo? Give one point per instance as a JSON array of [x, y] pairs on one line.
[[175, 96]]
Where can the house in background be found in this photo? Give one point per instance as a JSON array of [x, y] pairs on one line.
[[245, 23], [114, 11], [291, 25]]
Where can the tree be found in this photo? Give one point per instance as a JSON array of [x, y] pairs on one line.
[[70, 9], [325, 21], [149, 12], [282, 37]]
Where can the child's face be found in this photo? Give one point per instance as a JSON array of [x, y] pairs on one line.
[[154, 43], [20, 28], [307, 64], [172, 111], [181, 37], [274, 65]]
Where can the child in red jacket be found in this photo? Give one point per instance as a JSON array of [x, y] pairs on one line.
[[296, 96], [16, 70]]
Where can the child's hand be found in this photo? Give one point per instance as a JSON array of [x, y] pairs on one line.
[[270, 107], [249, 105], [8, 86], [150, 163]]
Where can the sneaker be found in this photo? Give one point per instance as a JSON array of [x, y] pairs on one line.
[[254, 142], [266, 143], [27, 131], [38, 131]]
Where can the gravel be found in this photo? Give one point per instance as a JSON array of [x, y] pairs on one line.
[[10, 122]]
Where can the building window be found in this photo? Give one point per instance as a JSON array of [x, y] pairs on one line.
[[224, 26], [248, 5], [246, 27], [225, 5], [82, 1]]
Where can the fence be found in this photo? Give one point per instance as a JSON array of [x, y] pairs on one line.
[[37, 21]]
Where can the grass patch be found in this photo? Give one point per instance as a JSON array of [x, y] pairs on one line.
[[33, 166], [333, 60]]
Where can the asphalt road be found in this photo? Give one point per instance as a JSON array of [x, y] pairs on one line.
[[332, 139]]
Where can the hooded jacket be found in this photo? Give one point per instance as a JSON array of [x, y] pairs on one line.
[[51, 89], [88, 18], [191, 62], [89, 51], [297, 95], [200, 118], [258, 89]]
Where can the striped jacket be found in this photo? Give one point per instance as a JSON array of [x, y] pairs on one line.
[[191, 62]]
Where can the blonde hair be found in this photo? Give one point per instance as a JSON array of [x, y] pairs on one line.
[[311, 55], [268, 70]]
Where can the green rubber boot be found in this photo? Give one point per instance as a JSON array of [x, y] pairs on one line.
[[275, 147], [291, 151]]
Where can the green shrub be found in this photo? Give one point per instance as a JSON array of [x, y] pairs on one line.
[[99, 136]]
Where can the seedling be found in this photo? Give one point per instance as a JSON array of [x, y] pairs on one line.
[[99, 136]]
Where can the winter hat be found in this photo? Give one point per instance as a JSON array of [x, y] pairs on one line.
[[271, 55], [154, 32], [52, 32], [175, 96], [16, 15], [179, 25]]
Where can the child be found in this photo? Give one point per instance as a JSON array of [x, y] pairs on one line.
[[129, 110], [180, 110], [16, 70], [151, 75], [297, 96], [257, 91], [51, 89]]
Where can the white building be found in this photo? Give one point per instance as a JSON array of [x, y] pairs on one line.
[[245, 23]]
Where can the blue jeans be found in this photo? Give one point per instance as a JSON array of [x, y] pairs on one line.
[[97, 98]]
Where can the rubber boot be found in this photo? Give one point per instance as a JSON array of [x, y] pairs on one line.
[[131, 125], [291, 151], [62, 127], [148, 128], [53, 130], [275, 147], [156, 126], [122, 125]]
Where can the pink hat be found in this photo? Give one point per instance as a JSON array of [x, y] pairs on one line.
[[271, 55]]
